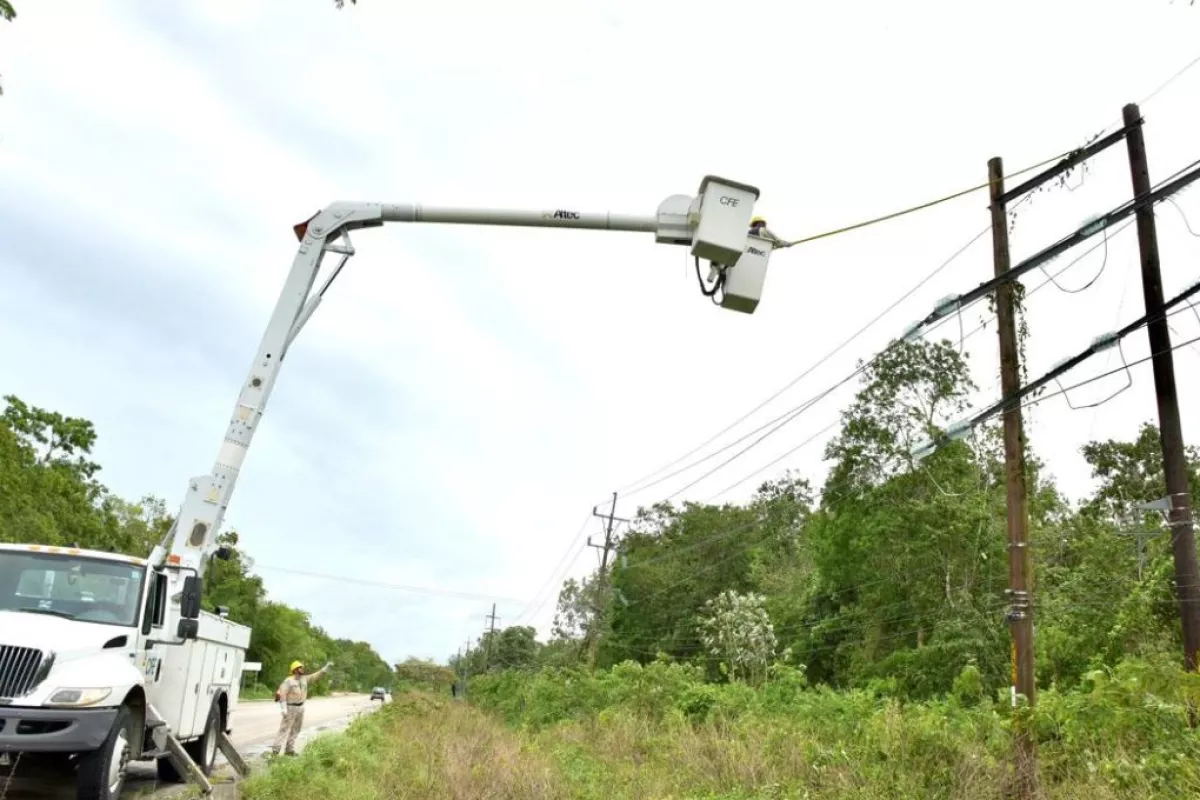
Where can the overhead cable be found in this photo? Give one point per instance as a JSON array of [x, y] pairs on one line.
[[1099, 344], [949, 305], [396, 586]]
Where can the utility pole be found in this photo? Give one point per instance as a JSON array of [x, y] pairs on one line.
[[1132, 525], [593, 635], [491, 636], [1175, 466], [466, 666], [1020, 614], [458, 666]]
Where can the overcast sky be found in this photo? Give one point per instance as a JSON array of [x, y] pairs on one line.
[[464, 396]]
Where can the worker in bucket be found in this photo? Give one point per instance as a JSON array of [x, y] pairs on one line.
[[758, 227], [292, 693]]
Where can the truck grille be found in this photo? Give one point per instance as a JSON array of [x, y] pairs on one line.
[[19, 668]]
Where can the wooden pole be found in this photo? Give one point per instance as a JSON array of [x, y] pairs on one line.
[[1020, 615], [1175, 466], [602, 577]]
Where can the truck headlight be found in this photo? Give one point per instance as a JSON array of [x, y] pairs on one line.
[[78, 697]]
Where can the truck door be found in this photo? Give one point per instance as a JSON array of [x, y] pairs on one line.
[[153, 662]]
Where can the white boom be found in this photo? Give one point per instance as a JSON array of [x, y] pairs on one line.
[[715, 223]]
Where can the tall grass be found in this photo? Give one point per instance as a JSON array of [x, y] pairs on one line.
[[660, 732], [417, 746]]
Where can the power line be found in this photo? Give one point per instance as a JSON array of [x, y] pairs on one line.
[[1172, 184], [795, 411], [1132, 327], [1101, 344], [1165, 84], [964, 302], [1178, 181], [630, 487], [1039, 260], [642, 486], [396, 586], [782, 420], [1050, 279], [752, 524], [923, 206], [1110, 372], [559, 567], [833, 424]]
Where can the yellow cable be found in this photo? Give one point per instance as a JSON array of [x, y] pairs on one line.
[[924, 206]]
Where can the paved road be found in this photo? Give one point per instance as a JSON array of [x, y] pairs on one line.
[[255, 724], [254, 728]]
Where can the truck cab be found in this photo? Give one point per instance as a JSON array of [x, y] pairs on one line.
[[102, 660]]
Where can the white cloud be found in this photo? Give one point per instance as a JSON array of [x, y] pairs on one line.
[[464, 395]]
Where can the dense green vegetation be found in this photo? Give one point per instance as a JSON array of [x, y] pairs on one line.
[[664, 731], [50, 494], [855, 638], [892, 578]]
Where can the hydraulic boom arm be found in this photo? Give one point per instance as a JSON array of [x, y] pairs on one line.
[[715, 223]]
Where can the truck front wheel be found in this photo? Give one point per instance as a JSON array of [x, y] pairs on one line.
[[102, 772]]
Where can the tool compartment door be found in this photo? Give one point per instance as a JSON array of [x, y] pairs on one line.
[[206, 687], [193, 691]]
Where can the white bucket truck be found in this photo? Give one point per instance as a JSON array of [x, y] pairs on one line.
[[104, 660], [108, 658]]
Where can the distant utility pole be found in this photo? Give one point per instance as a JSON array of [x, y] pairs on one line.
[[1132, 525], [458, 668], [1175, 467], [1020, 614], [593, 635], [491, 637]]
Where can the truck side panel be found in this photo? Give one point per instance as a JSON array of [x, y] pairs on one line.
[[225, 645], [218, 629]]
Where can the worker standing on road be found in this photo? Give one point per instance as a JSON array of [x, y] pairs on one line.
[[293, 692]]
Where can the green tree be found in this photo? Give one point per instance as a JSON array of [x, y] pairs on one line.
[[49, 495], [672, 561], [516, 647], [1102, 599], [53, 439], [737, 631], [580, 615], [422, 674], [911, 391], [1132, 472]]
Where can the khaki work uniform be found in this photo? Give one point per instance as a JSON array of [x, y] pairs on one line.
[[293, 692]]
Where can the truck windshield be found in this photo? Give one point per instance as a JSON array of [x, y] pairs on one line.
[[75, 587]]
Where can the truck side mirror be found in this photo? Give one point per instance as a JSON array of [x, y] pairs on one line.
[[189, 602], [188, 629]]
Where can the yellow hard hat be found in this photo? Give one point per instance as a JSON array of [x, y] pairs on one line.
[[758, 221], [295, 666]]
